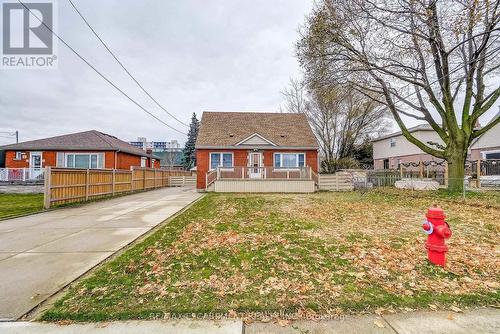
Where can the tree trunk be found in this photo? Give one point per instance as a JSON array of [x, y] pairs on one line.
[[456, 171]]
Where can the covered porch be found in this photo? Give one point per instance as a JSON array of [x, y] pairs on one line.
[[262, 179]]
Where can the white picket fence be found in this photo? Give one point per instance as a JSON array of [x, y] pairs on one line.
[[21, 174]]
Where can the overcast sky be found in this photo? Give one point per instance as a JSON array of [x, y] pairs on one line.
[[191, 55]]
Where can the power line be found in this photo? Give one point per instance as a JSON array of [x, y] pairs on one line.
[[123, 66], [97, 71]]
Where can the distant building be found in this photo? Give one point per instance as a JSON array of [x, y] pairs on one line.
[[156, 146], [169, 152]]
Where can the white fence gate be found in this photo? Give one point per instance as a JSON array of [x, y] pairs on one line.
[[335, 182], [182, 181]]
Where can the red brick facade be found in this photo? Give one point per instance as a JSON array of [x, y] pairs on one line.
[[240, 157], [112, 160]]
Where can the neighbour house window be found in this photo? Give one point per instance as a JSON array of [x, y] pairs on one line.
[[393, 142], [386, 163], [218, 159], [492, 155], [83, 160], [19, 156], [289, 160]]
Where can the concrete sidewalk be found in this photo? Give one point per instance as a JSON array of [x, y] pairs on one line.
[[484, 321], [42, 253], [127, 327]]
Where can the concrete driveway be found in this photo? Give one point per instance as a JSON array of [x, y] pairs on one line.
[[40, 254]]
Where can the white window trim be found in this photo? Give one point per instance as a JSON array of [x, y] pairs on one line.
[[98, 154], [289, 168], [220, 160], [483, 153], [144, 162], [40, 153], [20, 155]]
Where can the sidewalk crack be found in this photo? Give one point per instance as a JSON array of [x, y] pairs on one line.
[[390, 325]]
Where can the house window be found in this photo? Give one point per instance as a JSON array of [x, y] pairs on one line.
[[386, 163], [392, 142], [221, 159], [289, 160], [19, 156], [491, 155], [144, 162], [84, 160]]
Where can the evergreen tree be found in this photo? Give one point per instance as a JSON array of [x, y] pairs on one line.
[[188, 154]]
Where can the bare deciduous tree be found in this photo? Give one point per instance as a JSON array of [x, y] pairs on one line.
[[430, 60], [340, 117], [294, 94]]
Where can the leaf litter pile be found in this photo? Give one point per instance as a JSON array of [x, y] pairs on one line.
[[325, 253]]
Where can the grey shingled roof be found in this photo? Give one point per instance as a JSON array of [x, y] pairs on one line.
[[82, 141], [226, 129]]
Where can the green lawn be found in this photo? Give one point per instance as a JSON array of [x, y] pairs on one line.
[[326, 252], [12, 205]]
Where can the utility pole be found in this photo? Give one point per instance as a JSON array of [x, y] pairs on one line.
[[17, 137]]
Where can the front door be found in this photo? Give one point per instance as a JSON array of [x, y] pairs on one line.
[[35, 165], [255, 163]]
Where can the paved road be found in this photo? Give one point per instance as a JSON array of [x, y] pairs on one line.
[[40, 254]]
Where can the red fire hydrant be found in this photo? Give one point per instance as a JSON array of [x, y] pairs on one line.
[[437, 231]]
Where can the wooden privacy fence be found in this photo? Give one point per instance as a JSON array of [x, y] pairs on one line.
[[335, 182], [182, 181], [69, 185]]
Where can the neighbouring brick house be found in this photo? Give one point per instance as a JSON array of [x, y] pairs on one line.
[[89, 149], [391, 150], [255, 146]]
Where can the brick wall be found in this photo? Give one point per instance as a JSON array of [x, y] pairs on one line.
[[241, 159], [48, 159]]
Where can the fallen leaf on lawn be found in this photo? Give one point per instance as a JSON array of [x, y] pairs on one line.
[[433, 307], [455, 309], [283, 322], [379, 311], [232, 313], [379, 324]]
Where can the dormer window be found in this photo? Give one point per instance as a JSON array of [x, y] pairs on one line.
[[392, 142]]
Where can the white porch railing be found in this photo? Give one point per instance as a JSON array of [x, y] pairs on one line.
[[263, 173], [21, 174]]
